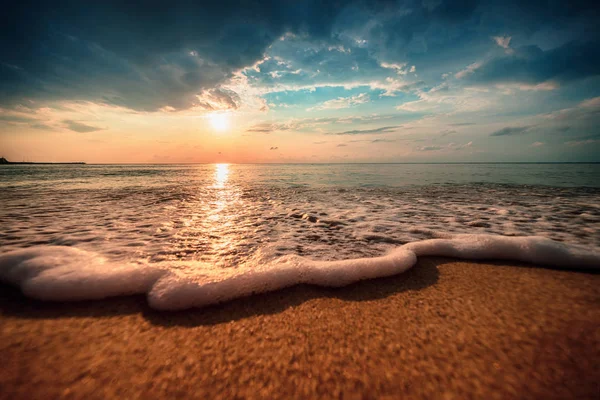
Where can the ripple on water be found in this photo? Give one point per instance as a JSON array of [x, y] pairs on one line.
[[228, 224]]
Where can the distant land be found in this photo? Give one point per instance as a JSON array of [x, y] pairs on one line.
[[5, 161]]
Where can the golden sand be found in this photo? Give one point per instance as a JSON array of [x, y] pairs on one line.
[[445, 329]]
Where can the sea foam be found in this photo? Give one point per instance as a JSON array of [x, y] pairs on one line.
[[531, 249], [61, 273]]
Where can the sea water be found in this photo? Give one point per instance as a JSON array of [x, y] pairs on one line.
[[191, 235]]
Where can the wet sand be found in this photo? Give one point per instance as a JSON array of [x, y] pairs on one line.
[[444, 329]]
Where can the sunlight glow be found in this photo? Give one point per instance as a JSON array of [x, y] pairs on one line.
[[221, 174], [219, 122]]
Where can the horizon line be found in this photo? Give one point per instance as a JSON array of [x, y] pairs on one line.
[[300, 163]]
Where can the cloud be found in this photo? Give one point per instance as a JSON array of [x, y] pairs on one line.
[[540, 87], [42, 126], [272, 127], [573, 143], [102, 52], [34, 123], [512, 131], [400, 69], [341, 145], [502, 41], [447, 132], [382, 141], [342, 102], [531, 65], [392, 87], [463, 124], [312, 124], [363, 119], [448, 147], [588, 109], [321, 142], [443, 99], [219, 99], [429, 148], [593, 103], [16, 119], [383, 129], [469, 69], [537, 144], [79, 126]]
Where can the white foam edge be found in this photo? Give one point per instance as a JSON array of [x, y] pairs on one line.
[[171, 292], [531, 249], [60, 273]]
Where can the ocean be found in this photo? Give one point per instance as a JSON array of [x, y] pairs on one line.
[[191, 235]]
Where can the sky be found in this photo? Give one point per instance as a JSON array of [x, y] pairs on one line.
[[300, 81]]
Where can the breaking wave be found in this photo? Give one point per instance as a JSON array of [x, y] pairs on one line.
[[62, 273]]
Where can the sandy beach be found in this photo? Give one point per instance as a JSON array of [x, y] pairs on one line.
[[445, 329]]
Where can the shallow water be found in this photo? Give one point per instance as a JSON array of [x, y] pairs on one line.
[[222, 214], [197, 220]]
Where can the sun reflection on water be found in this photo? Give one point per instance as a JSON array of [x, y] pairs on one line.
[[221, 175], [217, 227], [220, 222]]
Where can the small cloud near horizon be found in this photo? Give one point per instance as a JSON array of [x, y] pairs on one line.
[[79, 126], [512, 131], [383, 129]]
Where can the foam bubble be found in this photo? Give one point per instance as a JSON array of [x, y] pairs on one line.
[[65, 273]]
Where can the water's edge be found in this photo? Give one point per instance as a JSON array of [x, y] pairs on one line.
[[60, 273]]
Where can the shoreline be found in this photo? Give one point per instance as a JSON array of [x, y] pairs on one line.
[[445, 328], [4, 161], [43, 163]]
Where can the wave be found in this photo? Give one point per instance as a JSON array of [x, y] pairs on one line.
[[60, 273]]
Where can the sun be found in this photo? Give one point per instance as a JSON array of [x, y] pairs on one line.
[[219, 121]]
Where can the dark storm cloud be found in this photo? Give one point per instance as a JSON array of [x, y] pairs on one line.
[[511, 131]]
